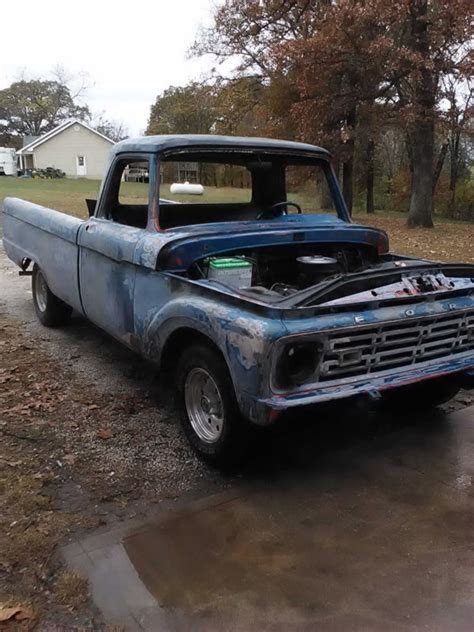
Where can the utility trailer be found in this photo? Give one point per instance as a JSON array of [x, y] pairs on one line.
[[8, 166]]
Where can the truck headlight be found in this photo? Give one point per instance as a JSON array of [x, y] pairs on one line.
[[297, 363]]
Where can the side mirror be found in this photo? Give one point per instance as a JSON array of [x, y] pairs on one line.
[[91, 204]]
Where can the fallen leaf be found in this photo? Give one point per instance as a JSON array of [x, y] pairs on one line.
[[70, 459], [25, 613], [18, 613], [104, 433]]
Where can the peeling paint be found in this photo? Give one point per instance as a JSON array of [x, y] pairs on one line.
[[132, 282]]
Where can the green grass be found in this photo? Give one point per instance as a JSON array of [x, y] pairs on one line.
[[449, 240], [211, 194], [67, 195]]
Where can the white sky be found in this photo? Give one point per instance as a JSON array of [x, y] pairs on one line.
[[130, 51]]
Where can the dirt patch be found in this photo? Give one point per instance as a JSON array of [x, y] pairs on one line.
[[447, 241], [77, 456], [73, 458]]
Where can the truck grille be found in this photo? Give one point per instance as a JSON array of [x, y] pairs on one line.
[[364, 351]]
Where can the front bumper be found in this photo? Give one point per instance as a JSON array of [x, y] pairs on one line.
[[264, 409]]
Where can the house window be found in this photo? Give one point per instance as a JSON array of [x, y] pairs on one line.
[[80, 161]]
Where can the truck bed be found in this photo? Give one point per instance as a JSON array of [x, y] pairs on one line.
[[37, 233]]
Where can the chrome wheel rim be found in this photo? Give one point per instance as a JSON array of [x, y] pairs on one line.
[[204, 405], [41, 291]]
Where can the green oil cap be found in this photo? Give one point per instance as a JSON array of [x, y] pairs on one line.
[[228, 263]]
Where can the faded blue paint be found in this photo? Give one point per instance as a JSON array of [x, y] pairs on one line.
[[373, 386], [127, 280], [306, 323], [163, 143], [178, 254], [48, 238]]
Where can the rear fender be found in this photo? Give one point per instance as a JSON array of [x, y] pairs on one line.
[[48, 238]]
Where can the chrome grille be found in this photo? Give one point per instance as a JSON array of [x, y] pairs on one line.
[[364, 351]]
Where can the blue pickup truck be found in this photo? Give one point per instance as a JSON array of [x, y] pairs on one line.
[[254, 290]]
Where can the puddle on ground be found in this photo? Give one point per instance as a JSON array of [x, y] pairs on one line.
[[380, 535]]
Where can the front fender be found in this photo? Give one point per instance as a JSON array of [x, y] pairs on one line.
[[243, 338]]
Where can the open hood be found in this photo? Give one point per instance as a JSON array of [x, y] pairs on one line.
[[187, 245]]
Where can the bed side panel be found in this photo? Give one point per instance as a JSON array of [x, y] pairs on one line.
[[49, 239]]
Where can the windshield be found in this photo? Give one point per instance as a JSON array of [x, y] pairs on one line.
[[235, 187]]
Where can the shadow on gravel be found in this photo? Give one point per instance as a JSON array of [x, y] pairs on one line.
[[305, 439], [343, 514]]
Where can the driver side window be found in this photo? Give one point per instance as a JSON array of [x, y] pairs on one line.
[[128, 193]]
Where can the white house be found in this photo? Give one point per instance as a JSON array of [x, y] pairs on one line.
[[73, 147]]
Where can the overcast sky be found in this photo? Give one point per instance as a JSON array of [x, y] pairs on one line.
[[130, 51]]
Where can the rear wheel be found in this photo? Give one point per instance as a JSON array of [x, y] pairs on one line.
[[209, 412], [51, 311]]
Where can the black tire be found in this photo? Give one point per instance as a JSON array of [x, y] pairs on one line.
[[50, 310], [421, 397], [466, 381], [233, 444]]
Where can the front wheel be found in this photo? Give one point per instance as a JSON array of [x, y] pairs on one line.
[[51, 311], [209, 412]]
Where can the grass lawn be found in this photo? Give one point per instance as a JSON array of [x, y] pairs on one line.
[[448, 241]]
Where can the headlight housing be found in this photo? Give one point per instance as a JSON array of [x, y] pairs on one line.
[[297, 363]]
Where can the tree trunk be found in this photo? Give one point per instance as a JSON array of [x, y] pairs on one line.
[[452, 201], [421, 130], [421, 198], [348, 182], [327, 203], [370, 176], [409, 153], [348, 163], [453, 172], [439, 164]]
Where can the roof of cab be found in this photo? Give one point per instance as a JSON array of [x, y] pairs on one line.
[[204, 141]]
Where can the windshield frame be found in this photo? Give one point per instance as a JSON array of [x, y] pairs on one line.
[[243, 156]]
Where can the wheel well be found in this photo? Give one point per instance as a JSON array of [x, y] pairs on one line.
[[178, 341]]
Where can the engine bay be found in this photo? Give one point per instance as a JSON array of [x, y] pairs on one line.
[[329, 274], [285, 270]]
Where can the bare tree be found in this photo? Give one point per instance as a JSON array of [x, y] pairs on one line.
[[115, 130], [458, 122]]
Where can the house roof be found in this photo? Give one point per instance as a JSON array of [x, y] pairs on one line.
[[57, 130], [191, 141], [29, 139]]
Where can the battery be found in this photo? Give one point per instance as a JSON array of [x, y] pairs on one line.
[[231, 271]]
